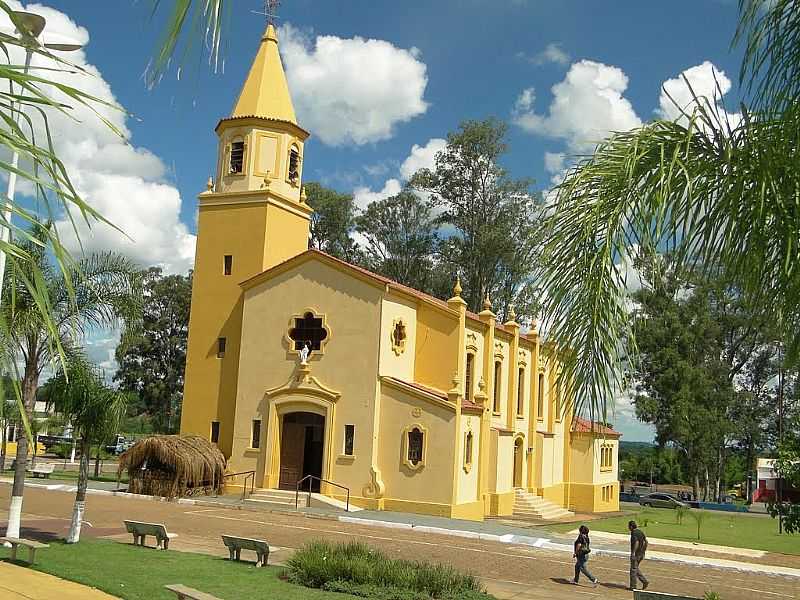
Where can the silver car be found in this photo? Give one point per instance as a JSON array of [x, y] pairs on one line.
[[657, 500]]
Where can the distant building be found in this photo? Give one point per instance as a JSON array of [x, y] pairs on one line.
[[767, 482]]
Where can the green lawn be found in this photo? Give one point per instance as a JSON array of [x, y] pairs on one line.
[[140, 573], [725, 529]]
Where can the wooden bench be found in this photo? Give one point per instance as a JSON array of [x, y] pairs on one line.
[[648, 595], [141, 530], [186, 593], [31, 545], [237, 544], [43, 470]]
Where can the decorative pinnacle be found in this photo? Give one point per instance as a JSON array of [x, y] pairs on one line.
[[512, 314], [210, 184], [487, 303], [303, 195], [457, 288]]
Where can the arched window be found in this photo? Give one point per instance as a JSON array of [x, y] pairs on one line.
[[470, 376], [498, 367], [540, 398], [468, 451], [415, 445], [520, 392], [293, 175], [236, 161]]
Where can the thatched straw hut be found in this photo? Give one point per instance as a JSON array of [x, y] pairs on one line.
[[173, 466]]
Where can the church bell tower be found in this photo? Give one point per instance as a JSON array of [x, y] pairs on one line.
[[252, 216]]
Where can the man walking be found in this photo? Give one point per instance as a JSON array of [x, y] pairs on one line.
[[638, 550]]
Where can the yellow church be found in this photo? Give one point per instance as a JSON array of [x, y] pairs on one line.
[[304, 367]]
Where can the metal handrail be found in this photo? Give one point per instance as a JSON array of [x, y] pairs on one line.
[[251, 475], [310, 478]]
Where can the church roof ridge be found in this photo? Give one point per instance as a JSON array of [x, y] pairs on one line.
[[391, 283]]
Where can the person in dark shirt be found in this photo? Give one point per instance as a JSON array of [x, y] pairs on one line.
[[638, 550], [581, 555]]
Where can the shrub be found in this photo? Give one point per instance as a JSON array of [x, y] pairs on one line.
[[63, 450], [712, 596], [357, 569], [680, 514]]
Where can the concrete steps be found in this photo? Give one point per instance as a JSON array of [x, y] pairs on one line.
[[286, 499], [281, 497], [531, 506]]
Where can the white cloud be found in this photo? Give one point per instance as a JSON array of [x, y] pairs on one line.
[[124, 183], [553, 53], [703, 82], [554, 162], [352, 90], [363, 196], [587, 106], [421, 157]]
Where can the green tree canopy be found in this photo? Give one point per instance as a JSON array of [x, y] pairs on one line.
[[400, 236], [152, 363], [488, 219]]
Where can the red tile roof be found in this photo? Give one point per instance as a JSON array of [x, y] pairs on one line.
[[581, 425], [390, 284]]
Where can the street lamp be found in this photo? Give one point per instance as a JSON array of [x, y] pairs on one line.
[[29, 27]]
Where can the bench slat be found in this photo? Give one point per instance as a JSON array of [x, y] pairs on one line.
[[183, 591], [24, 542]]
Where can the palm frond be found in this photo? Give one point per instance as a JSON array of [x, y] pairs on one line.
[[201, 23], [718, 198], [769, 31]]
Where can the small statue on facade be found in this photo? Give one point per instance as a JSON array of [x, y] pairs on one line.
[[304, 354]]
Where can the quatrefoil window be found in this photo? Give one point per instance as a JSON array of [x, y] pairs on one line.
[[308, 329]]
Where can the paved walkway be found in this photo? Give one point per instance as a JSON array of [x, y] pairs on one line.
[[22, 583], [510, 570]]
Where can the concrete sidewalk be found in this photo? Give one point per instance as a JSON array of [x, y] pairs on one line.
[[18, 583], [548, 540]]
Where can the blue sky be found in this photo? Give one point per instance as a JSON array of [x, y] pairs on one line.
[[442, 62]]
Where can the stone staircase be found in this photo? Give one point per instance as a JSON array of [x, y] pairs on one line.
[[283, 499], [531, 506], [279, 497]]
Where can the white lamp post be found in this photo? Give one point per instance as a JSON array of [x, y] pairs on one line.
[[30, 27]]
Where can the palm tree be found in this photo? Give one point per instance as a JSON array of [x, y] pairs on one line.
[[38, 331], [718, 191], [94, 410]]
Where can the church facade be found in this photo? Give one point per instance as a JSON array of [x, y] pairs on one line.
[[300, 365]]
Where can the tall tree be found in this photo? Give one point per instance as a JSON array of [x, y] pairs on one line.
[[98, 291], [94, 411], [332, 221], [491, 216], [151, 364], [400, 239], [695, 337]]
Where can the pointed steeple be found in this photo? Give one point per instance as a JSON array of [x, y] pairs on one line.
[[265, 93]]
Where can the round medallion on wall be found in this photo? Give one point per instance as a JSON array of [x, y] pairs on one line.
[[416, 412]]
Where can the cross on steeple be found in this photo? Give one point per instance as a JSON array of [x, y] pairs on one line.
[[270, 11]]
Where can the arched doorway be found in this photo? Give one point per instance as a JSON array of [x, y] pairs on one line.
[[518, 455], [302, 445]]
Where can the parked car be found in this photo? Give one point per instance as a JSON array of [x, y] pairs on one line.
[[660, 501], [119, 445]]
